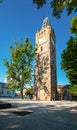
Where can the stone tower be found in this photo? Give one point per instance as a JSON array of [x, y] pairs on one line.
[[45, 63]]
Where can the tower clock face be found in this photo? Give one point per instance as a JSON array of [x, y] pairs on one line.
[[42, 40]]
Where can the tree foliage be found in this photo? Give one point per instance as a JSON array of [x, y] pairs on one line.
[[19, 67], [58, 6], [69, 55], [29, 92], [73, 28], [1, 1], [39, 3], [73, 90]]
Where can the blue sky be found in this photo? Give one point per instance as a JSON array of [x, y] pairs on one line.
[[21, 19]]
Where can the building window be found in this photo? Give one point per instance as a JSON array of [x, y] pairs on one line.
[[7, 92], [2, 91]]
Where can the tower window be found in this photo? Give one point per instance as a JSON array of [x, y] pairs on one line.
[[41, 48]]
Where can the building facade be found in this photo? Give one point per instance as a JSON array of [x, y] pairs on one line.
[[4, 92], [63, 92], [45, 63]]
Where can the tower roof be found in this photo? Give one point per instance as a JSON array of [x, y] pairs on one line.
[[45, 22]]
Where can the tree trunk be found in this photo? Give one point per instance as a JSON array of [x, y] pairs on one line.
[[21, 90], [21, 94]]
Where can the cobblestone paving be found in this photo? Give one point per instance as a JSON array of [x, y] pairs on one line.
[[45, 115]]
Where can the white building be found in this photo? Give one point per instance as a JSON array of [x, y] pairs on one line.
[[4, 92]]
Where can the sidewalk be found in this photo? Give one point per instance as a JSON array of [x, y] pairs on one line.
[[43, 115]]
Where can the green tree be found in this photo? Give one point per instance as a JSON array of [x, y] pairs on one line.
[[69, 55], [19, 67], [58, 6]]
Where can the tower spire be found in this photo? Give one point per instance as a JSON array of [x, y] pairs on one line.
[[45, 22]]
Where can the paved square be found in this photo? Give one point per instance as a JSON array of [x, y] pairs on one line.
[[45, 115]]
